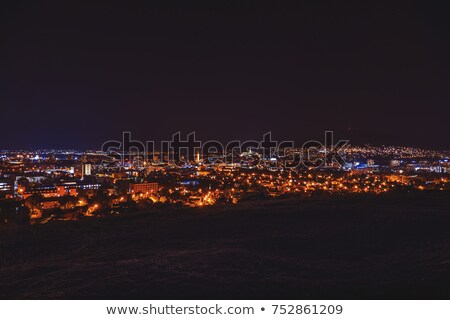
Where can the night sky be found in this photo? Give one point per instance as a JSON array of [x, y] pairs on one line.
[[74, 75]]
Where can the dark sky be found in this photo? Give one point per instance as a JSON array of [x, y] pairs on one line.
[[75, 75]]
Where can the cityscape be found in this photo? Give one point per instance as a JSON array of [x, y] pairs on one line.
[[201, 150], [52, 185]]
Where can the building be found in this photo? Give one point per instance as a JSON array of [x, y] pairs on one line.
[[6, 187], [49, 204], [146, 188], [87, 168], [197, 157], [82, 169], [60, 190], [71, 187], [44, 191]]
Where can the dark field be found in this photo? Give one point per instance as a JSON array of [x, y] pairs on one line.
[[390, 246]]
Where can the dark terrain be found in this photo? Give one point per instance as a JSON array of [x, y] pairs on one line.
[[389, 246]]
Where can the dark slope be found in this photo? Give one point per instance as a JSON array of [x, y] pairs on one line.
[[390, 246]]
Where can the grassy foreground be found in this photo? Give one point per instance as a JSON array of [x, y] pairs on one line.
[[389, 246]]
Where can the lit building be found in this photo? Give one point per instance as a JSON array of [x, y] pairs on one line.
[[197, 157], [82, 169], [44, 191], [6, 188], [147, 187], [86, 169]]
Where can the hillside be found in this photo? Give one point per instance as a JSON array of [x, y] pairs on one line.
[[389, 246]]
